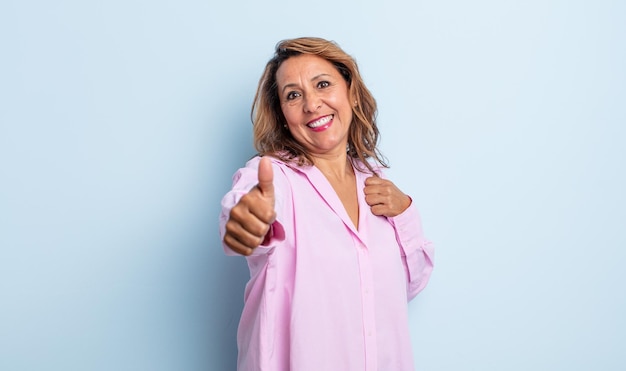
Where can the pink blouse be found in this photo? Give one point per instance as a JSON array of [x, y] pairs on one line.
[[322, 295]]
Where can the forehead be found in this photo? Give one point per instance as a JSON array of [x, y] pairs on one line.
[[304, 66]]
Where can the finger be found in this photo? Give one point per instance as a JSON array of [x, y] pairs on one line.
[[254, 208], [379, 209], [243, 236], [374, 199], [237, 246], [374, 180], [372, 189], [252, 220], [266, 215], [383, 190], [266, 177]]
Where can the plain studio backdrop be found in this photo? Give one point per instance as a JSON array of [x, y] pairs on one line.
[[122, 122]]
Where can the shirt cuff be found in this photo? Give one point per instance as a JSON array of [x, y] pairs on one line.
[[274, 237], [409, 233]]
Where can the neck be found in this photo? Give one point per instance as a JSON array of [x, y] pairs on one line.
[[337, 167]]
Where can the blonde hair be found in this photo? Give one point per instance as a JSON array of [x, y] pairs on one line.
[[269, 125]]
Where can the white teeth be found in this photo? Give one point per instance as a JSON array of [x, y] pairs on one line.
[[323, 121]]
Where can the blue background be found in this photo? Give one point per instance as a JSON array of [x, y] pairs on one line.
[[121, 123]]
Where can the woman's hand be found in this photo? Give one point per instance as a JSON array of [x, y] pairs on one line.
[[384, 197], [250, 219]]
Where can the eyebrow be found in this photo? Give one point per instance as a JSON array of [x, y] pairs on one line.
[[317, 77]]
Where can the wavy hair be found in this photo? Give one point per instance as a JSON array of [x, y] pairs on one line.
[[270, 134]]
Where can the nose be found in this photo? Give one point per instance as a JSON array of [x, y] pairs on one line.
[[312, 103]]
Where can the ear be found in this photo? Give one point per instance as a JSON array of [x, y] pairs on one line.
[[353, 99]]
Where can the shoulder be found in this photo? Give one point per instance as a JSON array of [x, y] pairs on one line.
[[253, 163], [247, 176], [286, 166], [281, 169]]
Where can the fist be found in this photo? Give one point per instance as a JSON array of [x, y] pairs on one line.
[[384, 198], [250, 219]]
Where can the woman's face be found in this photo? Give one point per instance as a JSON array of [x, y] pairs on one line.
[[315, 101]]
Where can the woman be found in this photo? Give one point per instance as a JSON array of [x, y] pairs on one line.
[[335, 250]]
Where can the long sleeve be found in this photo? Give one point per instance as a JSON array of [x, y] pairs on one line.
[[417, 252], [327, 286]]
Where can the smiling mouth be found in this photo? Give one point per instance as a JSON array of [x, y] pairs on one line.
[[320, 122]]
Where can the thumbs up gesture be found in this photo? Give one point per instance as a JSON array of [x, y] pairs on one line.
[[250, 219]]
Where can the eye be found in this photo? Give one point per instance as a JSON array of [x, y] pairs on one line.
[[323, 84], [292, 95]]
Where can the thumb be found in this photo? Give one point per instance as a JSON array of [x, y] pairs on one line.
[[266, 177]]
